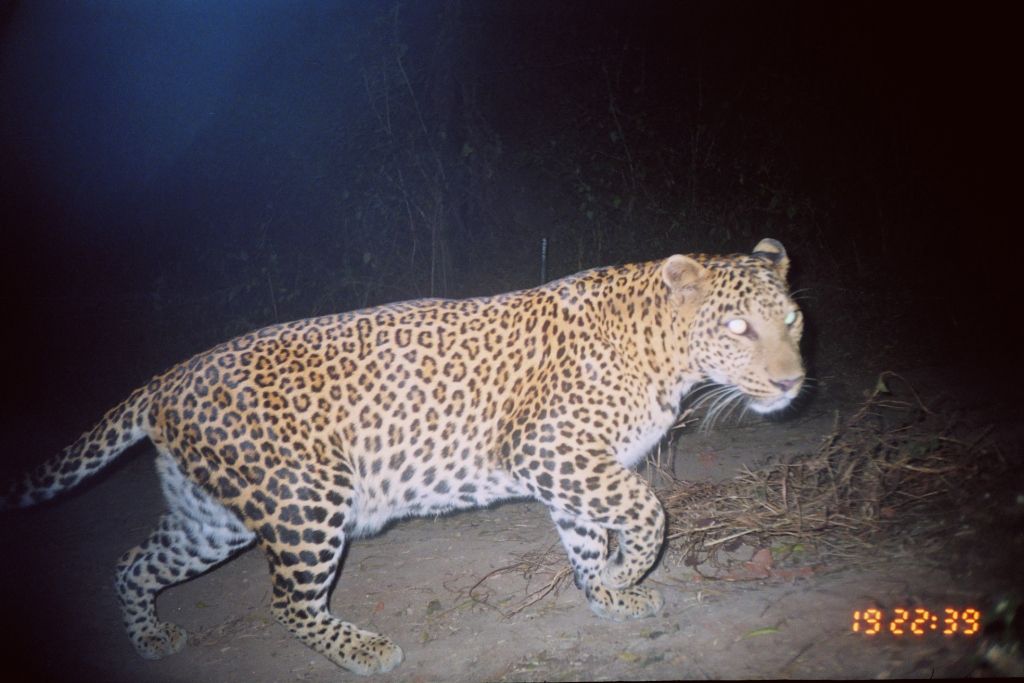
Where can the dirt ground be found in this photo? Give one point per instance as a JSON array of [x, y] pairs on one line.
[[420, 583]]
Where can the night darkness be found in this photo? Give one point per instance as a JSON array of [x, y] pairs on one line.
[[173, 174]]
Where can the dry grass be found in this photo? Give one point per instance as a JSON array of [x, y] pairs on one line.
[[548, 565], [877, 475]]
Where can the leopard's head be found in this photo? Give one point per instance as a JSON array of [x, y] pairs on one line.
[[744, 328]]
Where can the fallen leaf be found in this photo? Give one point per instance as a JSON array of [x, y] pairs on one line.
[[761, 632], [763, 558]]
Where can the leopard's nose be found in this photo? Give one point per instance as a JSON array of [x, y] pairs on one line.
[[785, 385]]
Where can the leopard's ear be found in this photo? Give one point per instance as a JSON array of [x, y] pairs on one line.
[[773, 251], [685, 278]]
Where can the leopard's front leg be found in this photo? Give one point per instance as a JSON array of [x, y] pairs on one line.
[[627, 506]]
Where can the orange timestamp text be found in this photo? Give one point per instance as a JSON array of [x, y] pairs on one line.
[[916, 621]]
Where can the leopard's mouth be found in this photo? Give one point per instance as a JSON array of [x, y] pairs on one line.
[[772, 404], [777, 402], [721, 395]]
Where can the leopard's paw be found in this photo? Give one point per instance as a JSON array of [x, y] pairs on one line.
[[635, 602]]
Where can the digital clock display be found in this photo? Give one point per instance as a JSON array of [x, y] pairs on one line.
[[917, 621]]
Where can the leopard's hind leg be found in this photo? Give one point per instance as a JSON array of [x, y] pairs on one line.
[[304, 547], [196, 533]]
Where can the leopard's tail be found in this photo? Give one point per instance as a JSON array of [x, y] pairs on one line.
[[122, 426]]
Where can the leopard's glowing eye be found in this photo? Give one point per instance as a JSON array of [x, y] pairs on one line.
[[790, 318], [737, 326]]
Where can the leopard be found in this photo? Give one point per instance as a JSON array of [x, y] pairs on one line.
[[303, 436]]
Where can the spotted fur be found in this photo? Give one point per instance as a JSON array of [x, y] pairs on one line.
[[301, 436]]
